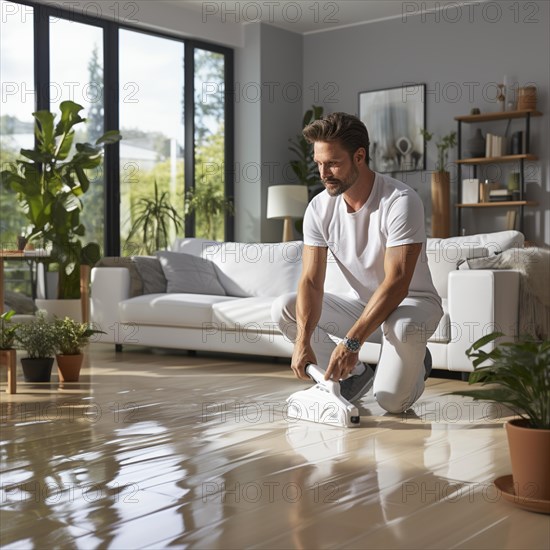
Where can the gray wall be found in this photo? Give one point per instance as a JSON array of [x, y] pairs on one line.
[[268, 103], [453, 52]]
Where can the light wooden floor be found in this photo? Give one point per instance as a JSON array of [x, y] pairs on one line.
[[156, 450]]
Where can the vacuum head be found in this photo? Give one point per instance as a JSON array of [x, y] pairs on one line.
[[322, 403]]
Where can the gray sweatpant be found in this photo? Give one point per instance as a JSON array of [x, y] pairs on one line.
[[399, 379]]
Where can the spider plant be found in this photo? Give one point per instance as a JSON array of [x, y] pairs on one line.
[[154, 217]]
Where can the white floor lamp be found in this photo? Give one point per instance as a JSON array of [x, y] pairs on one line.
[[286, 202]]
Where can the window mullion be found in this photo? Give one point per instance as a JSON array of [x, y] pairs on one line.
[[41, 58], [112, 152], [189, 117]]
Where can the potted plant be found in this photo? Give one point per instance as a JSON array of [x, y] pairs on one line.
[[49, 183], [70, 338], [441, 184], [7, 347], [7, 330], [153, 218], [303, 166], [519, 373], [37, 339]]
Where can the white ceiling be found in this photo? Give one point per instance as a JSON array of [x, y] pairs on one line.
[[310, 16]]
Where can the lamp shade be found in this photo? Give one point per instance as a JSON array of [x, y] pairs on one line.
[[286, 201]]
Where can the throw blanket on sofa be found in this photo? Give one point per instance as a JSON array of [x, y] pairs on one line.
[[534, 266]]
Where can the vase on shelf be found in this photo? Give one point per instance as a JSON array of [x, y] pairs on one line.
[[476, 145], [441, 205]]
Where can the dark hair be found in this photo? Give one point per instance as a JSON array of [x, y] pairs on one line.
[[342, 127]]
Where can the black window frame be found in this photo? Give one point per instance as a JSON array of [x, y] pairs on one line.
[[111, 87]]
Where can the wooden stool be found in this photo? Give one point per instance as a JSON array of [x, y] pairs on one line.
[[8, 357]]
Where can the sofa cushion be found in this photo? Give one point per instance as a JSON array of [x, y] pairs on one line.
[[151, 273], [180, 310], [444, 255], [136, 283], [192, 245], [256, 269], [494, 243], [245, 313], [186, 273]]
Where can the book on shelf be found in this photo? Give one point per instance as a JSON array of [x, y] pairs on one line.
[[497, 195], [499, 192], [511, 216], [494, 145]]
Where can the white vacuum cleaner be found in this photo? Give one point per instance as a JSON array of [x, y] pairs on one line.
[[322, 403]]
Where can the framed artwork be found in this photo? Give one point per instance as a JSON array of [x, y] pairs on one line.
[[394, 118]]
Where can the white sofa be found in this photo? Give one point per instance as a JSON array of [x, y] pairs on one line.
[[232, 315]]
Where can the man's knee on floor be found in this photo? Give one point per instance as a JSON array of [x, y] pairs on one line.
[[391, 402]]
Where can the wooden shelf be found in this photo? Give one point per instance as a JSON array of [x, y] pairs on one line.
[[497, 204], [504, 115], [491, 160]]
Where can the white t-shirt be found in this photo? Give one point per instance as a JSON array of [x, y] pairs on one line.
[[392, 216]]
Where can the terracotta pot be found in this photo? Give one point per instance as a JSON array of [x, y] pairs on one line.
[[441, 205], [529, 454], [68, 367], [37, 370]]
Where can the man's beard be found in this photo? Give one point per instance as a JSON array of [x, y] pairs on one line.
[[341, 186]]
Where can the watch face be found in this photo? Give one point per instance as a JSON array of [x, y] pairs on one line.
[[352, 344]]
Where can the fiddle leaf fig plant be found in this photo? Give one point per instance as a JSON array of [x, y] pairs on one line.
[[49, 184], [8, 330]]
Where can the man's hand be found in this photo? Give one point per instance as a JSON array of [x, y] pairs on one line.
[[342, 362], [301, 356]]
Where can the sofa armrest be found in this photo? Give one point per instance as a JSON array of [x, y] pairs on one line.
[[109, 286], [480, 302]]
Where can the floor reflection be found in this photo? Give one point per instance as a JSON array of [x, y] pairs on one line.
[[194, 452]]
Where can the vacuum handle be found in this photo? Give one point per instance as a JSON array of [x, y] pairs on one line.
[[318, 374]]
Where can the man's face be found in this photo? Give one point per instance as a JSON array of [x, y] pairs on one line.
[[336, 167]]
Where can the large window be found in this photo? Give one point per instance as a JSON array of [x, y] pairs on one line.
[[209, 124], [127, 79], [76, 73], [152, 123], [16, 107], [16, 126]]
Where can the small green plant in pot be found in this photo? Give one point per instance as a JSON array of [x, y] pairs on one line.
[[70, 339], [519, 375], [37, 339], [8, 330]]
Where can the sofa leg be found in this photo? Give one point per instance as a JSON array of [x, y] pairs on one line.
[[191, 352], [464, 376], [118, 348]]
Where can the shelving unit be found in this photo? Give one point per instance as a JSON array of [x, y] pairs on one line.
[[475, 162]]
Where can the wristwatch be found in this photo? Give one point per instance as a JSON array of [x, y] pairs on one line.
[[351, 344]]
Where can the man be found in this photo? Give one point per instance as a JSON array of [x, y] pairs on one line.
[[374, 227]]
